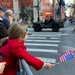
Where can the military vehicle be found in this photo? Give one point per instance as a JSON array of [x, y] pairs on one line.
[[54, 25]]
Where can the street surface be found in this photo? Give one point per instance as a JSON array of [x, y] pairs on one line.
[[49, 46]]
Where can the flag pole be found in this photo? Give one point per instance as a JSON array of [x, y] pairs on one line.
[[57, 63]]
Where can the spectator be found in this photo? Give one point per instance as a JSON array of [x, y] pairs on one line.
[[3, 30], [15, 49], [71, 20], [65, 17], [8, 18]]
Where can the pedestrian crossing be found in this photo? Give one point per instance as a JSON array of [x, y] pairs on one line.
[[44, 43]]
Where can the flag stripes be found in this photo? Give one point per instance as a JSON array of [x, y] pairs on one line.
[[68, 55]]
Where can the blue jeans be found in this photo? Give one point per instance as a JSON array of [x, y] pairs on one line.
[[18, 73]]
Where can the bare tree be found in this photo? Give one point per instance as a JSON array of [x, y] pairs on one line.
[[23, 10]]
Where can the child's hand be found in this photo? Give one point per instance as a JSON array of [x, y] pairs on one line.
[[48, 65]]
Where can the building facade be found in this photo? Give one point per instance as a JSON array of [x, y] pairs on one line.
[[46, 7], [15, 5], [6, 3]]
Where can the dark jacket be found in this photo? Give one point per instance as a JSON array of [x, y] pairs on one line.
[[6, 22], [3, 30]]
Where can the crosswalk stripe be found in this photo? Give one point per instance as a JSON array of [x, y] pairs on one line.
[[47, 59], [35, 44], [44, 40], [45, 35], [63, 34], [38, 37], [53, 33], [42, 50], [54, 38]]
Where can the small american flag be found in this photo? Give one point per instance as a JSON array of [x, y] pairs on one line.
[[68, 55]]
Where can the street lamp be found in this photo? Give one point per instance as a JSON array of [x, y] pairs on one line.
[[38, 2], [38, 19], [61, 4], [54, 9]]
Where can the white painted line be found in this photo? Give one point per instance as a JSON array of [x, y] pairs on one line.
[[55, 38], [42, 50], [38, 37], [61, 29], [44, 40], [35, 44], [63, 34], [47, 59], [44, 35], [53, 33]]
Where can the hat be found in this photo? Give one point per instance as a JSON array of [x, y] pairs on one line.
[[3, 9]]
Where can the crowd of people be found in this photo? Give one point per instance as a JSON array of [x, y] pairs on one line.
[[12, 48]]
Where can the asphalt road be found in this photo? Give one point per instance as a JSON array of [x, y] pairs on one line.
[[49, 46]]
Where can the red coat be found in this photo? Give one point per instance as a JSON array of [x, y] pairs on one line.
[[14, 50]]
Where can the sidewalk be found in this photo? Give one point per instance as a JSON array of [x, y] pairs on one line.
[[69, 27], [67, 23]]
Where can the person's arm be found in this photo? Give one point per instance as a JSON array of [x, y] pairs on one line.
[[31, 60], [2, 66]]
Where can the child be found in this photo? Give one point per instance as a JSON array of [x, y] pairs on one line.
[[15, 49]]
